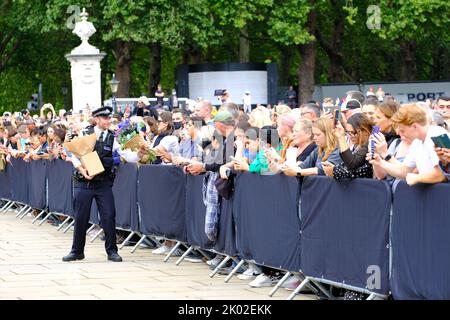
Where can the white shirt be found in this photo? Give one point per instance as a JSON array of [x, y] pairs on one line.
[[247, 99], [170, 144], [128, 155], [421, 154]]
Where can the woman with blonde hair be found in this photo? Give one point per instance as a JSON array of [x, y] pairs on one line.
[[327, 150], [260, 117], [382, 118], [278, 111], [302, 141]]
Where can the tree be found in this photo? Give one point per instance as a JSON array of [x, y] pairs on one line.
[[410, 22], [296, 28]]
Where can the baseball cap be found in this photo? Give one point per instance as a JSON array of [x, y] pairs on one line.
[[225, 117]]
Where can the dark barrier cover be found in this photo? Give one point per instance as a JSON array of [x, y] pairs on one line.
[[161, 196], [421, 242], [5, 183], [345, 231], [37, 189], [20, 179], [125, 197], [267, 222], [226, 238], [195, 213], [60, 187]]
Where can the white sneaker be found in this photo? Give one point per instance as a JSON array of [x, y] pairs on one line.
[[162, 250], [291, 283], [214, 262], [249, 274], [263, 281]]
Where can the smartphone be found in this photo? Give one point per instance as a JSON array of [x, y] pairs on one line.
[[375, 130], [228, 173], [337, 117], [442, 141]]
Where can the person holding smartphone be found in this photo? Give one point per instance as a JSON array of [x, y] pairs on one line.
[[355, 165], [257, 140], [327, 151], [421, 164]]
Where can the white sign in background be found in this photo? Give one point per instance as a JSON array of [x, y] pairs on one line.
[[403, 92], [203, 84]]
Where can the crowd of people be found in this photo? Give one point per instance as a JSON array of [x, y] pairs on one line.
[[371, 136]]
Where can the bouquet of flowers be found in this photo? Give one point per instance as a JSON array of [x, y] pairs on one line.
[[129, 138]]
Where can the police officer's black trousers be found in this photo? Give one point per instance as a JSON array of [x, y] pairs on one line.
[[84, 193]]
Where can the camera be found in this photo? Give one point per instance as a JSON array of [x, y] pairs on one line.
[[219, 92]]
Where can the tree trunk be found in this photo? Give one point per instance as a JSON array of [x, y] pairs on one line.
[[286, 62], [196, 56], [8, 46], [408, 69], [437, 71], [123, 54], [155, 68], [209, 55], [244, 46], [307, 64], [333, 47], [336, 60]]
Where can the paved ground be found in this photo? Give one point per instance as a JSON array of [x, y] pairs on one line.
[[31, 268]]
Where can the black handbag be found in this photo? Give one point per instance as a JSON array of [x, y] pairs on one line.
[[224, 187]]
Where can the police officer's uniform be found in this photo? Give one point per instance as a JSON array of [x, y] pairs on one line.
[[100, 189]]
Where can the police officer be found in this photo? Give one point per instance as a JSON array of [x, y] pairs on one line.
[[99, 187]]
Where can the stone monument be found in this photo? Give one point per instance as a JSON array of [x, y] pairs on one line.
[[85, 68]]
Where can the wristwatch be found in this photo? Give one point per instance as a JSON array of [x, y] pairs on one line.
[[299, 174], [388, 157]]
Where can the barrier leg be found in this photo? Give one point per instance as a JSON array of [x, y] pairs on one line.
[[325, 291], [25, 213], [171, 252], [16, 207], [63, 223], [38, 216], [126, 240], [6, 206], [90, 229], [46, 218], [203, 253], [96, 235], [9, 207], [225, 260], [184, 255], [234, 270], [297, 290], [279, 284], [69, 226], [151, 239], [21, 210], [371, 297], [138, 243]]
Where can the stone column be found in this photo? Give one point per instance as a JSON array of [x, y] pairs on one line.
[[85, 68]]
